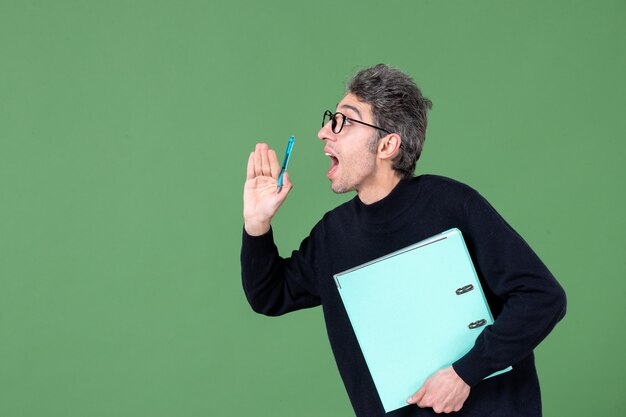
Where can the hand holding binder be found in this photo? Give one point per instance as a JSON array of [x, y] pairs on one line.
[[444, 392]]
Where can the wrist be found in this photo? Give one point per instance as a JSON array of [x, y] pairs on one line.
[[256, 228]]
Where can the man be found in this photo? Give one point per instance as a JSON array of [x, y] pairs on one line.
[[373, 140]]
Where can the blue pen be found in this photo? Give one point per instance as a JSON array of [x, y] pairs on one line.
[[285, 163]]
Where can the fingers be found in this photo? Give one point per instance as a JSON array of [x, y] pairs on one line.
[[444, 392], [417, 397], [250, 171], [273, 162], [258, 159], [263, 162]]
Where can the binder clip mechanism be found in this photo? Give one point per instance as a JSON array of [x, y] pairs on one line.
[[464, 289], [475, 324]]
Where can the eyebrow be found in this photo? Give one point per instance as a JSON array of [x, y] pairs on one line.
[[354, 109]]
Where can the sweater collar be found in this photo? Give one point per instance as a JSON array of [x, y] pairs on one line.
[[388, 208]]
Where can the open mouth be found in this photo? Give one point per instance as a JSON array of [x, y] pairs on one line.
[[334, 163]]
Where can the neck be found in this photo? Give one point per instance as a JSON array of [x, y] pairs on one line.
[[380, 189]]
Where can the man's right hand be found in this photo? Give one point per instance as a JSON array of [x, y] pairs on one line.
[[260, 199]]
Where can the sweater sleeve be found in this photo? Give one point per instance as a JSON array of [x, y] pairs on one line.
[[532, 300], [275, 285]]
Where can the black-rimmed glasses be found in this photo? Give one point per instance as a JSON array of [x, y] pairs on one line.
[[338, 120]]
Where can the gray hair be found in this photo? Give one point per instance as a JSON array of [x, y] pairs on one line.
[[399, 107]]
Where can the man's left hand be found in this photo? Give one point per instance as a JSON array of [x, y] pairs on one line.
[[445, 392]]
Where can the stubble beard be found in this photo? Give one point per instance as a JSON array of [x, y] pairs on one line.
[[350, 183]]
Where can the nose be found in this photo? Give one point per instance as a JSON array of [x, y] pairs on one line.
[[326, 133]]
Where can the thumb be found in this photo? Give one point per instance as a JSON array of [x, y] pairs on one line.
[[417, 397], [287, 185]]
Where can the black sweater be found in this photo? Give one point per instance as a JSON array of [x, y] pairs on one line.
[[524, 297]]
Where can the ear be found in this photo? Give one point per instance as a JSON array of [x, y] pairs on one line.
[[389, 146]]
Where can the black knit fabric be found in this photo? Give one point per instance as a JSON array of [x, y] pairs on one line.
[[524, 297]]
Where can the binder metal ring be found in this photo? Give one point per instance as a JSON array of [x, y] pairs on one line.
[[478, 323], [464, 289]]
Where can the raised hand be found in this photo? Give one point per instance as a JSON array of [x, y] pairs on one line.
[[260, 197]]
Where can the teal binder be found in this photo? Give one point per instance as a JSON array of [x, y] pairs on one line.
[[414, 312]]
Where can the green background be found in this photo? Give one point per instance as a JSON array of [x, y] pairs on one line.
[[125, 128]]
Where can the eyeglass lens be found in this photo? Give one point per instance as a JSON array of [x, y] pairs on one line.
[[337, 121]]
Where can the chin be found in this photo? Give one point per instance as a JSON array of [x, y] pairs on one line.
[[341, 188]]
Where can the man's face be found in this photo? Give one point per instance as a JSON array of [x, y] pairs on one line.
[[353, 165]]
